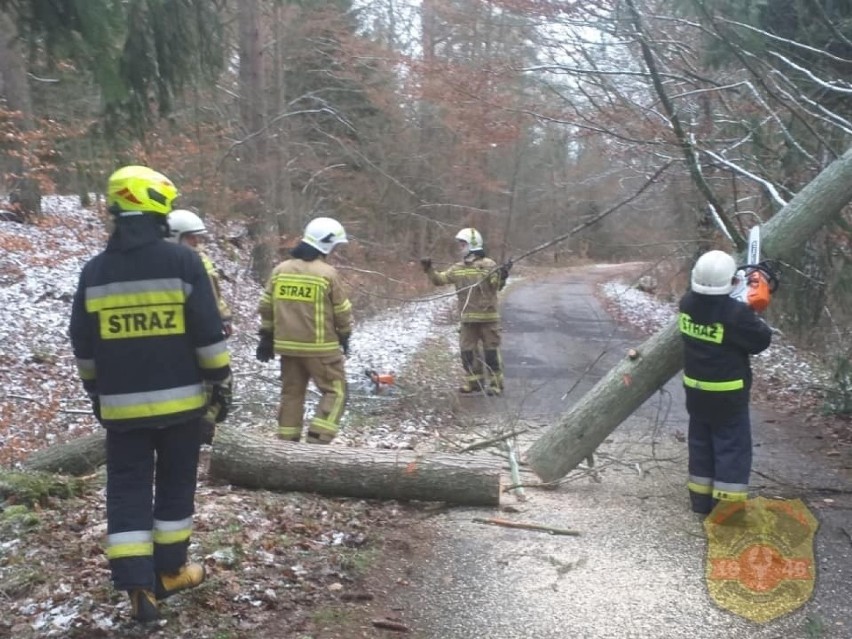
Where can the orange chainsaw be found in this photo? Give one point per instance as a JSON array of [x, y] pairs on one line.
[[758, 280], [380, 381]]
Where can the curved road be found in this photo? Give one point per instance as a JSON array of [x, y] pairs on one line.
[[637, 570]]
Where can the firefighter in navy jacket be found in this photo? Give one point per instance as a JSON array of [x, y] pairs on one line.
[[719, 335], [148, 340]]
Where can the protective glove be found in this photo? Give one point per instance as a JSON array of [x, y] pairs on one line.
[[96, 405], [208, 431], [221, 396], [344, 344], [426, 263], [265, 349], [504, 273]]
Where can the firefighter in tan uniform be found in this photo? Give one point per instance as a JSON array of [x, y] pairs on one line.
[[477, 280], [306, 318], [185, 227]]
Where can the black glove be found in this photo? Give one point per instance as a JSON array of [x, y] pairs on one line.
[[265, 349], [504, 273], [208, 431], [96, 406], [344, 344], [221, 396], [426, 263]]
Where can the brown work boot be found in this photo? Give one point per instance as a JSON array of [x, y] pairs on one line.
[[143, 605], [188, 576]]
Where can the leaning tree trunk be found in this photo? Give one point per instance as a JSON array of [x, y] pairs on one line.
[[251, 461], [625, 387]]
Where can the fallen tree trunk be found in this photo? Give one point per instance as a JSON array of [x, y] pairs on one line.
[[79, 456], [626, 386], [251, 461]]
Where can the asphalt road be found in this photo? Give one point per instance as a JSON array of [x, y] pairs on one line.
[[637, 569]]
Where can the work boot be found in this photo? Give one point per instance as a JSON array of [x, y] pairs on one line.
[[470, 387], [188, 576], [314, 438], [494, 390], [144, 605]]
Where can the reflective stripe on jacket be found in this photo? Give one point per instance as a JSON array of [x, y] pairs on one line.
[[477, 282], [145, 329], [213, 274], [719, 335], [306, 307]]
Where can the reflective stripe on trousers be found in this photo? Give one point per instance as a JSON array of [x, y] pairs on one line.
[[151, 478], [720, 457]]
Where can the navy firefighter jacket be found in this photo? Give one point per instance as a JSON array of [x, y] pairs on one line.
[[719, 335], [145, 328]]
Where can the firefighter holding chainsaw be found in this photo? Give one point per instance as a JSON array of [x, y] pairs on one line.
[[306, 318], [150, 351], [720, 333], [477, 280]]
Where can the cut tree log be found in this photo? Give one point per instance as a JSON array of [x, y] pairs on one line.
[[253, 461], [79, 456], [625, 387]]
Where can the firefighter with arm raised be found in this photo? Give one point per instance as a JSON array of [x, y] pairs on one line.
[[719, 335]]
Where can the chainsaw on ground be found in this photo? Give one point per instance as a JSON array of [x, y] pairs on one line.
[[380, 381], [757, 279]]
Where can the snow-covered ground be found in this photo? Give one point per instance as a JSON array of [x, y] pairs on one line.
[[41, 401]]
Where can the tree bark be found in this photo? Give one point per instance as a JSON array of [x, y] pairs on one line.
[[258, 462], [253, 461], [76, 457], [15, 92], [626, 386]]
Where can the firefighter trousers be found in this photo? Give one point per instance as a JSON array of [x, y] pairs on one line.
[[150, 499], [720, 456], [329, 375], [475, 361]]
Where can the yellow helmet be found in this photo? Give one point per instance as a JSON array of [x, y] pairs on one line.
[[138, 188]]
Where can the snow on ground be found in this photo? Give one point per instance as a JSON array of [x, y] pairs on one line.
[[781, 365], [42, 402]]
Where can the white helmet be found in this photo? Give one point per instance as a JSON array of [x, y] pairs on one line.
[[324, 233], [182, 222], [713, 273], [472, 237]]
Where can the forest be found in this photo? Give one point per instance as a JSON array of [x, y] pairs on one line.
[[616, 132], [637, 130]]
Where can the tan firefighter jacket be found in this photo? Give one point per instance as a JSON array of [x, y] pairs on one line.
[[306, 307], [213, 274], [477, 281]]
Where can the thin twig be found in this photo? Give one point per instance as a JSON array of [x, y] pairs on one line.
[[494, 440], [516, 474], [516, 524]]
